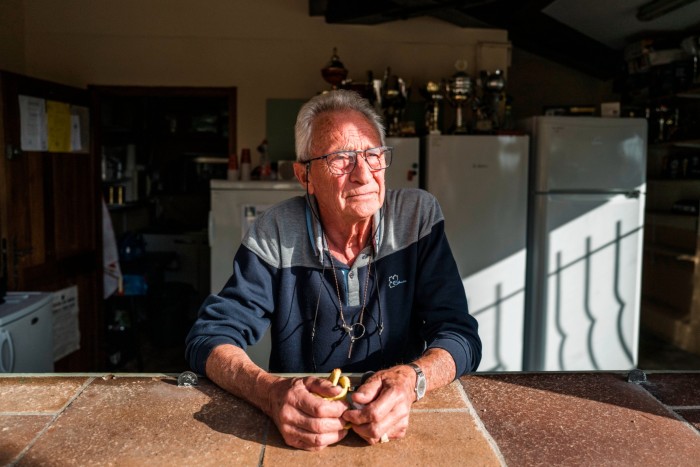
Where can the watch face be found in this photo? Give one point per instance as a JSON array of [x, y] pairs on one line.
[[421, 383], [420, 387]]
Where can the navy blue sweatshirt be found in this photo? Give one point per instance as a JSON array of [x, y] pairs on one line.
[[283, 279]]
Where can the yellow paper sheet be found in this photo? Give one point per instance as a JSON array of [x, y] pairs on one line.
[[58, 122]]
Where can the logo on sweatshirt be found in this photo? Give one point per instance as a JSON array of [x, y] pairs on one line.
[[394, 281]]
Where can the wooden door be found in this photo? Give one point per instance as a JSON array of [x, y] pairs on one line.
[[50, 215]]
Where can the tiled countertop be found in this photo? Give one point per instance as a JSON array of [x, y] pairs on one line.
[[484, 419]]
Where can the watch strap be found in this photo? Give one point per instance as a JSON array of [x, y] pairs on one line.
[[420, 381]]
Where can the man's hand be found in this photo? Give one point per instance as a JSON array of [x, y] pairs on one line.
[[310, 422], [387, 397], [304, 419]]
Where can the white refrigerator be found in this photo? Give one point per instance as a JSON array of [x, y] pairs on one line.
[[404, 170], [481, 183], [586, 215], [234, 205], [26, 333]]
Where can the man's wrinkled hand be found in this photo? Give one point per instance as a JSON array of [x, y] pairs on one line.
[[305, 420], [383, 405]]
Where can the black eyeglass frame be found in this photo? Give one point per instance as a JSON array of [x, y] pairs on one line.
[[385, 150]]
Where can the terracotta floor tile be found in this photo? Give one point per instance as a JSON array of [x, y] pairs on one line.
[[37, 393], [567, 419], [17, 431], [459, 443], [138, 421], [674, 389]]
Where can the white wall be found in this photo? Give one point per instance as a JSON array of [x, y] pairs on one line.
[[266, 48]]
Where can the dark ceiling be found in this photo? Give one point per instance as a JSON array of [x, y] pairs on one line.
[[548, 28]]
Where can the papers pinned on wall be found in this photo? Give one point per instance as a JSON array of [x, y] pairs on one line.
[[32, 118], [59, 126], [53, 126]]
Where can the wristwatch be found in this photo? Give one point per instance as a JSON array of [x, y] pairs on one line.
[[421, 383]]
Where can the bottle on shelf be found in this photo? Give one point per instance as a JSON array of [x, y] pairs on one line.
[[245, 164], [265, 165], [232, 173]]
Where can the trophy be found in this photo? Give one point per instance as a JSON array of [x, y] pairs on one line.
[[377, 95], [490, 103], [495, 85], [364, 89], [432, 92], [334, 73], [393, 99], [459, 92]]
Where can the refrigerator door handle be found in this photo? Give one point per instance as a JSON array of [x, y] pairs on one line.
[[6, 337]]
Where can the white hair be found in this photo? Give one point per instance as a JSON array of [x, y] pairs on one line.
[[332, 101]]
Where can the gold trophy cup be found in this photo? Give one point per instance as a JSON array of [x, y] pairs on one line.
[[432, 92], [459, 93]]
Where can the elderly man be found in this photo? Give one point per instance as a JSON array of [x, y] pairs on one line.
[[350, 276]]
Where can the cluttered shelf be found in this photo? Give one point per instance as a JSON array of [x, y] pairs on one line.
[[160, 146], [668, 198], [671, 234], [671, 270]]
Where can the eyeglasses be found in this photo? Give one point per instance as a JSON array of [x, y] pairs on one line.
[[344, 162]]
